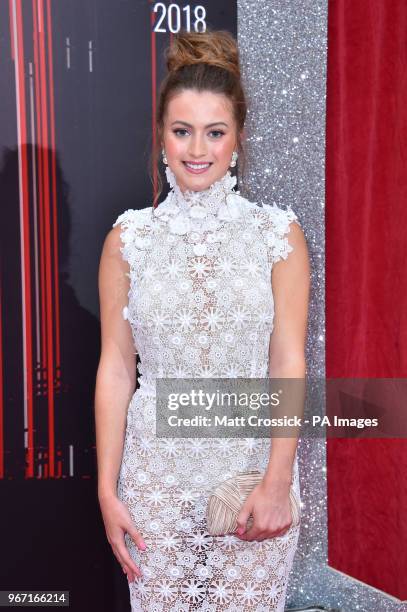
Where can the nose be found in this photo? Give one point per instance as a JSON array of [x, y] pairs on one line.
[[197, 147]]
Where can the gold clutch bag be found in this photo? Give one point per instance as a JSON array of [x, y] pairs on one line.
[[227, 499]]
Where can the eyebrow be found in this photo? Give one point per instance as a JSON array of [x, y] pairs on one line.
[[206, 126]]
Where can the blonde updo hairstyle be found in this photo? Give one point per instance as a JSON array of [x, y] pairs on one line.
[[202, 61]]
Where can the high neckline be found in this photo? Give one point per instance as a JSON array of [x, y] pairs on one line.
[[199, 211], [210, 199]]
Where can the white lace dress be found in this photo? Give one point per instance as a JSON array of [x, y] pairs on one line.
[[200, 305]]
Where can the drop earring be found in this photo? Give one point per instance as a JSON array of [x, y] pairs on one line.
[[164, 158], [234, 159]]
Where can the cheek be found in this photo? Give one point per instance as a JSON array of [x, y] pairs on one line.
[[223, 149], [174, 146]]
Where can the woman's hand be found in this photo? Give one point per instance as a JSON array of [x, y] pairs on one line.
[[118, 521], [270, 506]]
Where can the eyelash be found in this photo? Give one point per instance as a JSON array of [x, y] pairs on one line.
[[212, 132]]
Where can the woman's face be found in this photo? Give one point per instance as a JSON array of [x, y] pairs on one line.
[[199, 137]]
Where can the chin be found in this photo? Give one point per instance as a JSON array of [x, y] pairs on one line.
[[200, 182]]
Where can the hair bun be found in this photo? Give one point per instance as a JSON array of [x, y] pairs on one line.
[[217, 48]]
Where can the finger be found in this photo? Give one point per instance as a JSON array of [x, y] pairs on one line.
[[252, 534], [126, 570], [281, 533], [125, 559], [242, 519], [130, 573], [262, 534], [136, 537], [283, 530]]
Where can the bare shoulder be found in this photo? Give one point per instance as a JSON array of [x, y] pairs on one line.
[[297, 240], [113, 241], [113, 278], [113, 282], [297, 261], [291, 290], [293, 274], [113, 264]]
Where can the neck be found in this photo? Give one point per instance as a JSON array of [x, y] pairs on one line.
[[210, 198]]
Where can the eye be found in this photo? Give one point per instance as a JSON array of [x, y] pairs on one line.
[[177, 130], [218, 133]]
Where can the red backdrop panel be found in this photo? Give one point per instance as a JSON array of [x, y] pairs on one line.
[[366, 280]]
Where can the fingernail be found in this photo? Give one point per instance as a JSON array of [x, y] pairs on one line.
[[143, 546]]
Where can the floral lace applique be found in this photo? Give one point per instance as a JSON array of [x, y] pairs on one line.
[[200, 305]]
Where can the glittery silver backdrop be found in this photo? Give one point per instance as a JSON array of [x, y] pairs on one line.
[[283, 47]]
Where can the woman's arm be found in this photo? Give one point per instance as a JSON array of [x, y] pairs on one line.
[[269, 502], [115, 384], [116, 375], [291, 286]]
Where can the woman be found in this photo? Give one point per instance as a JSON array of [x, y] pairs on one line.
[[196, 285]]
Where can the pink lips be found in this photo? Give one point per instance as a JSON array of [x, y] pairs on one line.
[[197, 170]]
